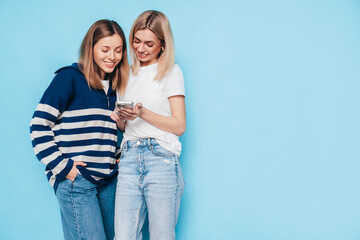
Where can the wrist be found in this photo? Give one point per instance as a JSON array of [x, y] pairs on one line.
[[142, 112]]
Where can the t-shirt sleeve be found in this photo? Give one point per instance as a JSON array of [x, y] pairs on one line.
[[175, 82]]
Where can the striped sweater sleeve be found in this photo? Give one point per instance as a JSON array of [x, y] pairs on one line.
[[52, 104]]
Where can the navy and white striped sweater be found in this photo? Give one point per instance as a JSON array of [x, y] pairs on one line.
[[72, 123]]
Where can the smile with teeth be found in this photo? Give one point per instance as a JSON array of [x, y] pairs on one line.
[[142, 54], [109, 64]]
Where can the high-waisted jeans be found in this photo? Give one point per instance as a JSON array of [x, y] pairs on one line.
[[150, 181], [87, 210]]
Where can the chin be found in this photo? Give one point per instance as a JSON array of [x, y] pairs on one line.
[[142, 59], [109, 70]]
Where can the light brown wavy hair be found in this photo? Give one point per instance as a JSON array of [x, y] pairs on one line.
[[119, 77], [158, 23]]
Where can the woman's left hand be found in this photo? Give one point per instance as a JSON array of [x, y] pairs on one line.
[[131, 114]]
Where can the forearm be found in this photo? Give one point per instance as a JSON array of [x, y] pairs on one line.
[[121, 125], [120, 122], [47, 151], [176, 123], [172, 124]]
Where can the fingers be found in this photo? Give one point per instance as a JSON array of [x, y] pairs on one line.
[[79, 163], [139, 109], [115, 116], [123, 111], [73, 172], [127, 114]]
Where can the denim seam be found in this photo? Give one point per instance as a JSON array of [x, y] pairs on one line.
[[174, 201], [137, 223], [125, 147], [180, 172], [139, 185], [75, 215], [138, 158]]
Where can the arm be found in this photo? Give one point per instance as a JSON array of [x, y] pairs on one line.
[[120, 121], [175, 124], [50, 107]]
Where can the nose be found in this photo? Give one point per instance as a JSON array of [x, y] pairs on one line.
[[111, 55], [141, 48]]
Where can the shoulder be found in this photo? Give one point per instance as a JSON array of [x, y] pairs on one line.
[[176, 69], [174, 82], [175, 72], [72, 70], [66, 78], [68, 75]]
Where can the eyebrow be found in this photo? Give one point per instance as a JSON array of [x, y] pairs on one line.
[[145, 41], [109, 46]]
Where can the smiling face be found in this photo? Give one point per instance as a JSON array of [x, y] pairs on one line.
[[146, 46], [108, 53]]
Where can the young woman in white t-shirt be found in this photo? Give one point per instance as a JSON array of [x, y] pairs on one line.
[[150, 180]]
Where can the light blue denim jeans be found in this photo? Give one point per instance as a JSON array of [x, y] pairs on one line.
[[150, 181], [87, 209]]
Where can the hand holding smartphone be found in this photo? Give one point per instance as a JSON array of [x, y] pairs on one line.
[[124, 104], [121, 106]]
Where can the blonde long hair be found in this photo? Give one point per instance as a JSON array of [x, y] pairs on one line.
[[158, 23], [100, 29]]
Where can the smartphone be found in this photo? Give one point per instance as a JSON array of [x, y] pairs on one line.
[[124, 104]]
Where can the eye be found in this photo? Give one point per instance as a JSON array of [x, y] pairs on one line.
[[118, 51], [150, 45], [136, 41], [104, 51]]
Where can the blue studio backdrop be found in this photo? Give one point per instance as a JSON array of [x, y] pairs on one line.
[[271, 150]]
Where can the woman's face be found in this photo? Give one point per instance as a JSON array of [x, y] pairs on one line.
[[108, 53], [146, 46]]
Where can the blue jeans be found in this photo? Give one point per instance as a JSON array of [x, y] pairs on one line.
[[150, 181], [87, 209]]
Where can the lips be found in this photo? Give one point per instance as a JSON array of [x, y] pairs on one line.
[[109, 64], [142, 55]]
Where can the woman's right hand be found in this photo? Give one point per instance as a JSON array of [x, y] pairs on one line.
[[115, 116], [118, 119], [74, 171]]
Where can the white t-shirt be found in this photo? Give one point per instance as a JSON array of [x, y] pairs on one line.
[[106, 85], [153, 94]]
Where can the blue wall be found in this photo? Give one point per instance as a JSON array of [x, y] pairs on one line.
[[271, 150]]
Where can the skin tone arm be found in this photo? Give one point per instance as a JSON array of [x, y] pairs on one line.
[[175, 124], [74, 171], [119, 119]]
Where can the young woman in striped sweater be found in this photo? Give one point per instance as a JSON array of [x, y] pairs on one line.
[[73, 135]]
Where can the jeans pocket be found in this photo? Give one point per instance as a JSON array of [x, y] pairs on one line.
[[66, 183], [71, 182], [158, 150]]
